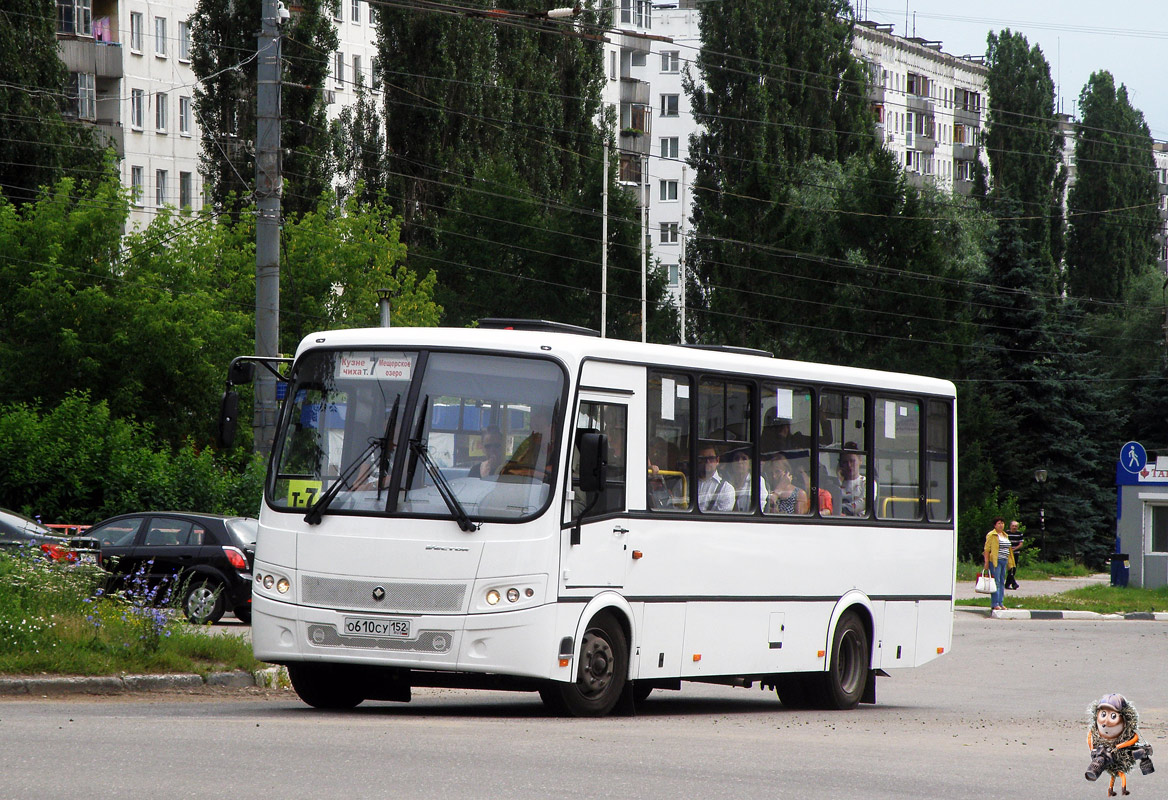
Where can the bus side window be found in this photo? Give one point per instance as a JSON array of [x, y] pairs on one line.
[[846, 416], [667, 429]]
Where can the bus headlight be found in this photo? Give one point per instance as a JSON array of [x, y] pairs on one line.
[[282, 586], [493, 597], [512, 595], [268, 581]]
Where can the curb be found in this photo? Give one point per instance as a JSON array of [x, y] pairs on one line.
[[272, 677], [1144, 616]]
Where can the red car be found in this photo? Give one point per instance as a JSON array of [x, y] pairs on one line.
[[19, 533]]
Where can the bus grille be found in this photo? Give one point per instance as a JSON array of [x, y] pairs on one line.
[[424, 642], [418, 598]]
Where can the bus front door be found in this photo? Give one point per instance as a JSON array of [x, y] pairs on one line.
[[595, 540]]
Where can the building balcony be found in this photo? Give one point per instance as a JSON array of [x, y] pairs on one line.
[[918, 104], [964, 152], [634, 141], [964, 188], [876, 94], [111, 132], [971, 119], [634, 91], [102, 59], [925, 144]]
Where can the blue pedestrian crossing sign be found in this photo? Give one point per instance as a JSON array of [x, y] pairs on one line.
[[1133, 458]]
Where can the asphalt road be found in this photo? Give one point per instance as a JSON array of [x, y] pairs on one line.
[[1003, 716]]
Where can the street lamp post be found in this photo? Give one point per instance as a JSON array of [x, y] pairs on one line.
[[1040, 479]]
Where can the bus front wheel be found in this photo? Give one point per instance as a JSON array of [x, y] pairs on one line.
[[600, 674], [323, 686]]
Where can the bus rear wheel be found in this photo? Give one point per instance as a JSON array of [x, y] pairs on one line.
[[847, 672], [600, 674], [325, 686]]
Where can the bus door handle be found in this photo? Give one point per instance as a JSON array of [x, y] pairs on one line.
[[619, 529]]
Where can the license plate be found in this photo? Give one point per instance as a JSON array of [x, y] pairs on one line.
[[387, 628]]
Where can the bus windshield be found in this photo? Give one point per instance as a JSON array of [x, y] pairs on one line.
[[485, 424]]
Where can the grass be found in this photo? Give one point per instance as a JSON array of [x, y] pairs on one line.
[[58, 619], [1029, 570], [1105, 599]]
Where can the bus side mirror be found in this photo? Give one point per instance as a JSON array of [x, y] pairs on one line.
[[593, 461], [241, 373], [228, 415]]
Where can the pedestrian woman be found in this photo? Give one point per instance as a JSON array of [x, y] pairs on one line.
[[999, 557]]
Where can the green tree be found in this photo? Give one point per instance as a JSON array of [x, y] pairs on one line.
[[223, 58], [1024, 145], [39, 146], [1113, 201], [790, 91], [359, 147]]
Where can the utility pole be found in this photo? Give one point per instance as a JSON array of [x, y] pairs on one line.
[[267, 194]]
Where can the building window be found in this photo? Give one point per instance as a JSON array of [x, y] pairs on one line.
[[160, 112], [160, 36], [184, 41], [184, 116], [668, 190], [374, 74], [669, 105], [612, 65], [83, 102], [184, 190], [674, 273], [339, 69], [75, 17], [358, 78], [355, 10], [1159, 538], [669, 232], [638, 58], [135, 32], [339, 12], [136, 189], [160, 188], [670, 61], [137, 108], [669, 146]]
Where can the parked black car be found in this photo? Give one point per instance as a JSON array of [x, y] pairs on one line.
[[18, 531], [205, 558]]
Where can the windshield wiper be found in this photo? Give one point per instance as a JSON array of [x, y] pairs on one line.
[[419, 449], [318, 507]]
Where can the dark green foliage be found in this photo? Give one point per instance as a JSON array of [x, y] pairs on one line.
[[223, 37], [1114, 198], [76, 463], [38, 146], [790, 92], [1024, 145]]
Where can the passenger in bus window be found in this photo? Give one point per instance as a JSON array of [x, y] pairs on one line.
[[783, 496], [714, 492], [825, 503], [853, 484], [493, 461], [533, 456], [666, 488], [737, 466]]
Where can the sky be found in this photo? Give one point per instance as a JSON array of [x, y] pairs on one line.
[[1128, 38]]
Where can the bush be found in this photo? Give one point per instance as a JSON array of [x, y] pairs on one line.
[[974, 522], [76, 463]]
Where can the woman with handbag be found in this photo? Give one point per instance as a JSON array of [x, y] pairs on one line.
[[999, 557]]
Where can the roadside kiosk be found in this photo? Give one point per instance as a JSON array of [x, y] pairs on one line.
[[1141, 520]]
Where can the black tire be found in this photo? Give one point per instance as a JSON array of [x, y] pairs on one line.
[[203, 602], [847, 671], [601, 674], [243, 614], [325, 686]]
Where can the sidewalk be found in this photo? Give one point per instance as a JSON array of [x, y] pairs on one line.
[[52, 686], [1038, 588]]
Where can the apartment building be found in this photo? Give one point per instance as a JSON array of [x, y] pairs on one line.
[[1160, 154], [130, 75], [930, 106]]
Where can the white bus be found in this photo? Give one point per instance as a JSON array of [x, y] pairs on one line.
[[525, 506]]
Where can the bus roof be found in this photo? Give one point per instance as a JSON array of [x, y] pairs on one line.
[[574, 348]]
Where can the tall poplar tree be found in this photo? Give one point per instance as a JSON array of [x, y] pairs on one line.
[[776, 85], [223, 57], [38, 146], [1113, 201], [1024, 145]]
